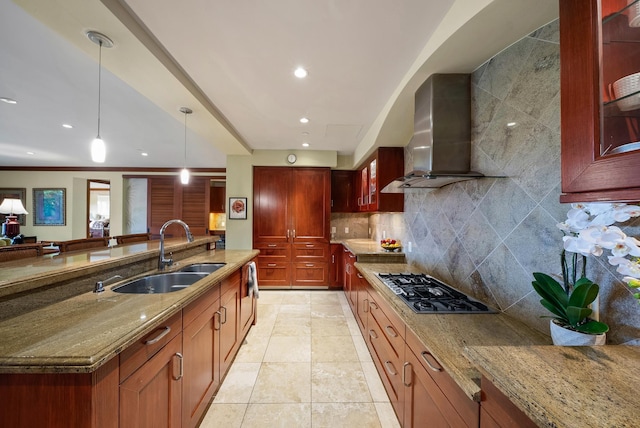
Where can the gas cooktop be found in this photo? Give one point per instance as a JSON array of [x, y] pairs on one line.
[[428, 295]]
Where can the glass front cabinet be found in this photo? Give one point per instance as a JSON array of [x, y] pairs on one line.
[[600, 100]]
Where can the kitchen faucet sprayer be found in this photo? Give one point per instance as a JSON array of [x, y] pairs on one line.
[[99, 287], [162, 262]]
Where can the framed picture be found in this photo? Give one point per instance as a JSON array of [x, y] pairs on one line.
[[19, 193], [238, 208], [50, 207]]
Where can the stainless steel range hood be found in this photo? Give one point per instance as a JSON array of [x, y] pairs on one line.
[[441, 143]]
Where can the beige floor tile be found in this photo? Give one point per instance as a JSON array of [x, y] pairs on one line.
[[263, 328], [296, 297], [333, 349], [339, 383], [361, 348], [238, 384], [282, 349], [252, 349], [295, 311], [271, 297], [224, 416], [353, 326], [327, 311], [283, 383], [344, 415], [325, 298], [286, 326], [386, 415], [268, 312], [376, 388], [278, 415], [329, 327]]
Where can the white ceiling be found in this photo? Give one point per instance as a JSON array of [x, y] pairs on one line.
[[230, 61]]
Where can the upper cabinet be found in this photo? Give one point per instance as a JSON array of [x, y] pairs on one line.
[[600, 105], [217, 197], [343, 191], [385, 165]]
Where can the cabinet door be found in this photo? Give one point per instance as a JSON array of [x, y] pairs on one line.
[[363, 190], [373, 185], [201, 343], [271, 212], [597, 48], [230, 323], [247, 303], [343, 193], [151, 397], [337, 266], [310, 204], [217, 199], [362, 299]]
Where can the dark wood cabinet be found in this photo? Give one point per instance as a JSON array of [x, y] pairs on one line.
[[217, 199], [336, 268], [349, 275], [600, 128], [380, 169], [230, 320], [497, 411], [291, 213], [167, 199], [360, 287], [343, 191]]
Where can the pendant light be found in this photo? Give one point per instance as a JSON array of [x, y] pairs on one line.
[[184, 174], [98, 148]]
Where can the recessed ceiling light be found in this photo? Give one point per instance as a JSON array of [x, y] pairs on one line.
[[66, 125], [8, 100], [144, 154], [300, 73], [305, 144], [304, 120], [30, 153]]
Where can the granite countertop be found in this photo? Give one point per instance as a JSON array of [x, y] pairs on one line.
[[81, 333], [447, 335], [370, 251], [566, 386]]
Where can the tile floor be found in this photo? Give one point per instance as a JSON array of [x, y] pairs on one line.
[[305, 364]]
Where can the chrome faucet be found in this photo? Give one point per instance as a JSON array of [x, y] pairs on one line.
[[162, 262], [99, 287]]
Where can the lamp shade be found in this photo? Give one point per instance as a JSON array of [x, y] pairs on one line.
[[12, 206]]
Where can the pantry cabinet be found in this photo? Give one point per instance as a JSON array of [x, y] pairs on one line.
[[291, 216], [600, 100]]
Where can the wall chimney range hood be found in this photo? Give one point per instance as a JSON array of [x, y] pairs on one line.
[[441, 142]]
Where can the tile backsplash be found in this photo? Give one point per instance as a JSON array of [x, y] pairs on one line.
[[488, 236]]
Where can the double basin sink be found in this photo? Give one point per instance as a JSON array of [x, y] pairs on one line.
[[170, 281]]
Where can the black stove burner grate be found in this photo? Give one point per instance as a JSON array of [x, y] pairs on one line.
[[426, 294]]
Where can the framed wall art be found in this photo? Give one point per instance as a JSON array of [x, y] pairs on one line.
[[19, 193], [49, 206], [238, 208]]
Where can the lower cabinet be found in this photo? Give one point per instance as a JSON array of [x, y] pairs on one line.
[[497, 411], [419, 389], [165, 379], [336, 267]]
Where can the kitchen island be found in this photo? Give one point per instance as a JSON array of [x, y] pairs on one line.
[[72, 357]]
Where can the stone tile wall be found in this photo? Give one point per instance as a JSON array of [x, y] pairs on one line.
[[487, 236]]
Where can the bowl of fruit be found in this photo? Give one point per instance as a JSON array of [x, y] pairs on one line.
[[391, 244]]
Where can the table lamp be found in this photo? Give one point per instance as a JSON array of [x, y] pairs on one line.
[[11, 207]]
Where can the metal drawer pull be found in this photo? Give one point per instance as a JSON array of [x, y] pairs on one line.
[[373, 305], [271, 265], [272, 245], [214, 320], [225, 315], [359, 276], [373, 334], [156, 339], [431, 366], [294, 233], [366, 305], [181, 359], [287, 233], [309, 265], [390, 369], [391, 331], [310, 245], [404, 374]]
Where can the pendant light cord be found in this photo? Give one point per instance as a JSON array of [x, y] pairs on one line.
[[99, 83], [185, 139]]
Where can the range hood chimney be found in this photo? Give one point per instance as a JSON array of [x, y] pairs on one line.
[[441, 142]]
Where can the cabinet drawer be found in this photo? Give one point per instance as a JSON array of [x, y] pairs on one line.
[[137, 354], [464, 406], [311, 251], [273, 249], [273, 272], [393, 331], [311, 273]]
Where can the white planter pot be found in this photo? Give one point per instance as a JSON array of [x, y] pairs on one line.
[[564, 337]]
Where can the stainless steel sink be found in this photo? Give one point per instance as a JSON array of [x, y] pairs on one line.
[[203, 267], [161, 283]]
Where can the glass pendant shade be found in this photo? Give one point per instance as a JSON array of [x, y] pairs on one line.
[[184, 176], [98, 150]]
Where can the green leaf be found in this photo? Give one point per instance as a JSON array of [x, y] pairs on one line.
[[593, 327], [584, 293], [552, 292], [576, 314], [561, 314]]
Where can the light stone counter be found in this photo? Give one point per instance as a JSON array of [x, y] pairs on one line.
[[82, 332], [566, 386], [447, 335], [370, 251]]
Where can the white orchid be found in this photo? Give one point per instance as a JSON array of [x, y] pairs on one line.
[[588, 230]]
